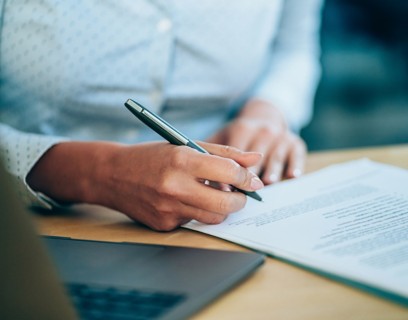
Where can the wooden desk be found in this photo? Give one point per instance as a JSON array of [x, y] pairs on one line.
[[277, 290]]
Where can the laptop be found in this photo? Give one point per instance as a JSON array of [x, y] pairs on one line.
[[63, 278]]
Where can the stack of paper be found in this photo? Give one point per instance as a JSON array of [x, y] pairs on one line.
[[348, 220]]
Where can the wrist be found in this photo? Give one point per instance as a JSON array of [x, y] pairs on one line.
[[72, 172], [100, 184]]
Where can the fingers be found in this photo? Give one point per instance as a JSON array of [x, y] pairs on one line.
[[285, 160], [245, 159], [190, 200], [276, 162], [263, 142], [193, 200], [284, 154], [224, 170], [296, 161], [208, 199], [169, 215], [260, 127]]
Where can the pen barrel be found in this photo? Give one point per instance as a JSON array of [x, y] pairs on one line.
[[251, 194]]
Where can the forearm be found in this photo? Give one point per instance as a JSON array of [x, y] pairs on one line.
[[72, 172]]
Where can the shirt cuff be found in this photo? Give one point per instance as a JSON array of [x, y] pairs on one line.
[[35, 198], [21, 151]]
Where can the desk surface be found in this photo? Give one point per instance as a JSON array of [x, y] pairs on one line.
[[277, 290]]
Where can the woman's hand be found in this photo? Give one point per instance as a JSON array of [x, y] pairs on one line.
[[260, 127], [157, 184]]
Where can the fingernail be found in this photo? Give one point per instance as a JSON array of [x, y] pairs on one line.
[[274, 178], [297, 173], [256, 183], [276, 174]]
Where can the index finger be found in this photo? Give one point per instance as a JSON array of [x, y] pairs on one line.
[[246, 159], [224, 170]]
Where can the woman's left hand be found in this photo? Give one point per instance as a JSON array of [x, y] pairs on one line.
[[261, 127]]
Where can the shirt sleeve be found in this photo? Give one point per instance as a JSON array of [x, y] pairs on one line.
[[293, 69], [20, 152]]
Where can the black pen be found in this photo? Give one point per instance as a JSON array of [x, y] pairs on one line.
[[171, 134]]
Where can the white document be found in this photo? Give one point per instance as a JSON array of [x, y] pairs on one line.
[[349, 220]]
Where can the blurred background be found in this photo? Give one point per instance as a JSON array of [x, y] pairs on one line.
[[362, 99]]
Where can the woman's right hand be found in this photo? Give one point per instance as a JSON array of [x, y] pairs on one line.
[[157, 184]]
